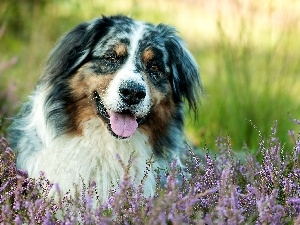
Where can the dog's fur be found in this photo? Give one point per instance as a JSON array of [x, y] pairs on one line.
[[112, 86]]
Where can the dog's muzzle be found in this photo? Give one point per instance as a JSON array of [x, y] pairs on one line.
[[123, 122]]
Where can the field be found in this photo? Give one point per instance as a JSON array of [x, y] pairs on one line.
[[248, 55]]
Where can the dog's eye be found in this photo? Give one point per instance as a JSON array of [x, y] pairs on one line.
[[112, 58], [154, 68], [154, 71]]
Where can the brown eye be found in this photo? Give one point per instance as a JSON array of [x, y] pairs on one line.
[[154, 71], [112, 58], [154, 68]]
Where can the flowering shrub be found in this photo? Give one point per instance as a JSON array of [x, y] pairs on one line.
[[212, 190]]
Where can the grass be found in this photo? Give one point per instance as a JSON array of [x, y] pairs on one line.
[[251, 86], [246, 50]]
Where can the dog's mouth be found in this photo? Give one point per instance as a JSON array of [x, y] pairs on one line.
[[121, 124]]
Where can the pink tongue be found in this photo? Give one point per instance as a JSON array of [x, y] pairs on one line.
[[122, 125]]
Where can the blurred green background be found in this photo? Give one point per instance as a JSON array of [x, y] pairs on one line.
[[248, 53]]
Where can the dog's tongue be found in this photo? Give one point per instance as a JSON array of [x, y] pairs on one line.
[[123, 125]]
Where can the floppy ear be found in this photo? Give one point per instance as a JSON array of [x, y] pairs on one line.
[[185, 76], [74, 48]]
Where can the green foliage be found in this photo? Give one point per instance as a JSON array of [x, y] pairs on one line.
[[249, 61], [253, 81]]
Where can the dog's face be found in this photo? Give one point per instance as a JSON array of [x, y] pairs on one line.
[[129, 74], [126, 77]]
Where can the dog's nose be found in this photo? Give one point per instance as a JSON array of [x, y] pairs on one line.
[[132, 92]]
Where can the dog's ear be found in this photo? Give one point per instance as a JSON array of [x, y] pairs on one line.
[[75, 47], [185, 76]]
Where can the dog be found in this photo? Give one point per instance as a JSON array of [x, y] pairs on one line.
[[112, 89]]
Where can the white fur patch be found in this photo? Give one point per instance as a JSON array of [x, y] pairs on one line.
[[92, 157], [35, 124]]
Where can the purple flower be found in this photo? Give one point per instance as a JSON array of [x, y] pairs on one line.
[[219, 190]]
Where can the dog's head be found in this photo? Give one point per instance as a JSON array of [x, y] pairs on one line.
[[128, 73]]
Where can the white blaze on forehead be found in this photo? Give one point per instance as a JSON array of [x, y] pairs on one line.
[[127, 72], [136, 37]]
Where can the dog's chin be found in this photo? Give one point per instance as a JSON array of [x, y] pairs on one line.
[[121, 124]]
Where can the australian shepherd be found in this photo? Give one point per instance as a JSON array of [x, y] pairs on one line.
[[112, 88]]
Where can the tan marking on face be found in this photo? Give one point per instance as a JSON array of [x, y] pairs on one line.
[[148, 55], [156, 95], [163, 108], [83, 107], [158, 119], [121, 49]]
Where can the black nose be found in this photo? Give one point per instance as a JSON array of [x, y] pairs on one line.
[[132, 92]]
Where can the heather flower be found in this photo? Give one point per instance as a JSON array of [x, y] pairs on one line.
[[210, 190], [269, 211], [294, 204]]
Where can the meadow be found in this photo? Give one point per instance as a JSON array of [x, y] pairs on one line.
[[248, 55], [246, 51]]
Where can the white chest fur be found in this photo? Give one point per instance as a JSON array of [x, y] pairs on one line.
[[93, 157]]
